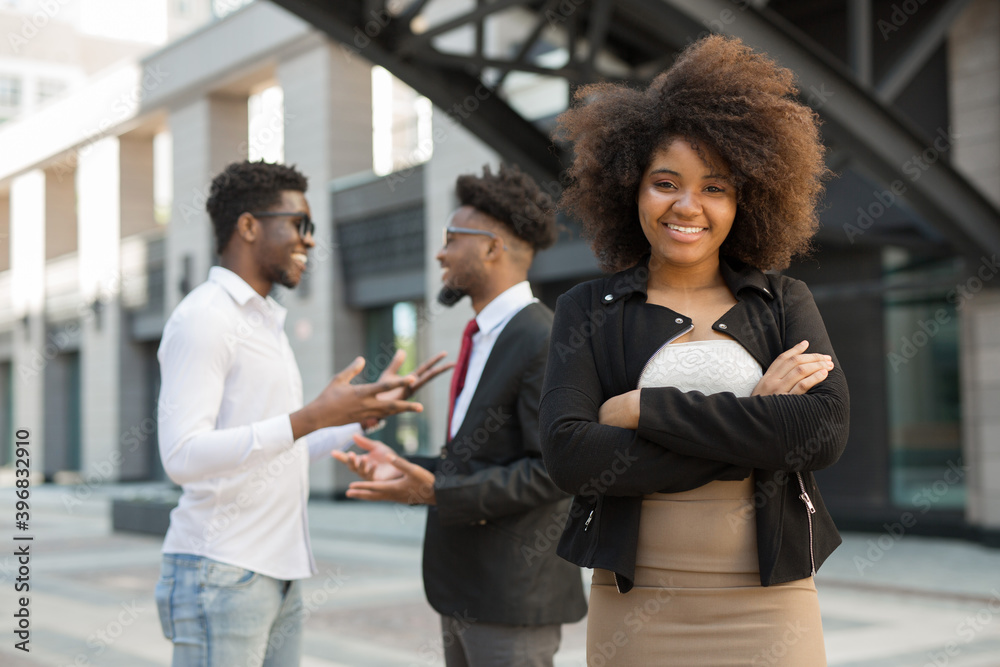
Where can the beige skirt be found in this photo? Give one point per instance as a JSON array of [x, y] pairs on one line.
[[697, 598]]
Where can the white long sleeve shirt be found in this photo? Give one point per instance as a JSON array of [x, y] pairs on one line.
[[491, 320], [229, 383]]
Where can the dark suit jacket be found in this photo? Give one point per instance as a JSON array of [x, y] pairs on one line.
[[489, 549]]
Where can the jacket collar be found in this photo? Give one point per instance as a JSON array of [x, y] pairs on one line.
[[737, 275]]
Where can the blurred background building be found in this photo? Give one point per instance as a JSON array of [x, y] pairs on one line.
[[117, 114]]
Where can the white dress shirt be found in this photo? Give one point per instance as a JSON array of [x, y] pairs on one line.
[[229, 384], [491, 320]]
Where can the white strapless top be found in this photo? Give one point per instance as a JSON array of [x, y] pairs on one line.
[[708, 366]]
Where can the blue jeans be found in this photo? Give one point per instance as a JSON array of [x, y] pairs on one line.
[[220, 615]]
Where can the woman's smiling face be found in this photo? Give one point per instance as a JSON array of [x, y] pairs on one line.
[[687, 203]]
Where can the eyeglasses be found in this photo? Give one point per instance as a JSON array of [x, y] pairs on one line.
[[466, 230], [306, 225]]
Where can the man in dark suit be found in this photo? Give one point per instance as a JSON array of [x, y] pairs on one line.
[[490, 567]]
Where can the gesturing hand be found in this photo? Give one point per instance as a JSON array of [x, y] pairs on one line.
[[344, 403], [412, 485], [424, 374], [376, 465], [793, 372]]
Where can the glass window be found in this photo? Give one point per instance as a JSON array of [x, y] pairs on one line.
[[62, 413], [163, 176], [49, 88], [387, 329], [266, 125], [10, 91], [401, 124], [922, 371]]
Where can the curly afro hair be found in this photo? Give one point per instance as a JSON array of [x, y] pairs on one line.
[[719, 94], [513, 198], [244, 187]]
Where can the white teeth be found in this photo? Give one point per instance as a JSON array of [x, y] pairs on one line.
[[300, 258], [685, 230]]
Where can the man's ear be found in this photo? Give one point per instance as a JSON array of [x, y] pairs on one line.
[[247, 227], [495, 247]]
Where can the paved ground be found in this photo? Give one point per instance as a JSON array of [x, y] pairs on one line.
[[886, 601]]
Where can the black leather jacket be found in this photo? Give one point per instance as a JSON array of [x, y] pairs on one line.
[[603, 334]]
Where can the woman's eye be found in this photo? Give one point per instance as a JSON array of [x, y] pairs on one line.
[[714, 188]]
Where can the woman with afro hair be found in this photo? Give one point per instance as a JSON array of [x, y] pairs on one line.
[[690, 396]]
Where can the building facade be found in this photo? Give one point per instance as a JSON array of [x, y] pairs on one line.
[[102, 196]]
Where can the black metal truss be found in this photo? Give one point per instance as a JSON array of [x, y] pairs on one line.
[[639, 38]]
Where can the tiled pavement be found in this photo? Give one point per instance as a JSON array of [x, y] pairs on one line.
[[905, 602]]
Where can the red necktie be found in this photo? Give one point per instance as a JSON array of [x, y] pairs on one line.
[[461, 369]]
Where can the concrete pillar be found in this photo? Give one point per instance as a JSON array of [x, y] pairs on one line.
[[208, 134], [27, 266], [980, 421], [328, 134], [99, 196], [974, 95], [456, 151], [974, 107]]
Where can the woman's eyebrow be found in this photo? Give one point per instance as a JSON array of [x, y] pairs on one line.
[[706, 177]]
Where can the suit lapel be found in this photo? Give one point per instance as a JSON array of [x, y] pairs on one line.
[[493, 371]]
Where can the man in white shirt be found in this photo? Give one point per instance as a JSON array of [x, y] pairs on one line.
[[490, 566], [234, 433]]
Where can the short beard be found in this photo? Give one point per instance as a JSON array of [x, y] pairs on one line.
[[449, 296], [283, 278]]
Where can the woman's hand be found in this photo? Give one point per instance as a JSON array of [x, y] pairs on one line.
[[621, 411], [794, 372]]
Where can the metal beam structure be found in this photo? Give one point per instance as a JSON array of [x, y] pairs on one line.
[[631, 41], [859, 35], [877, 136], [378, 36], [920, 49]]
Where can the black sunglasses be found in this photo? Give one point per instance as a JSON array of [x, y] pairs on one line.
[[465, 230], [306, 225]]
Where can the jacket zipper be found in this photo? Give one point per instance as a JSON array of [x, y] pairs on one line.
[[671, 340], [810, 510]]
